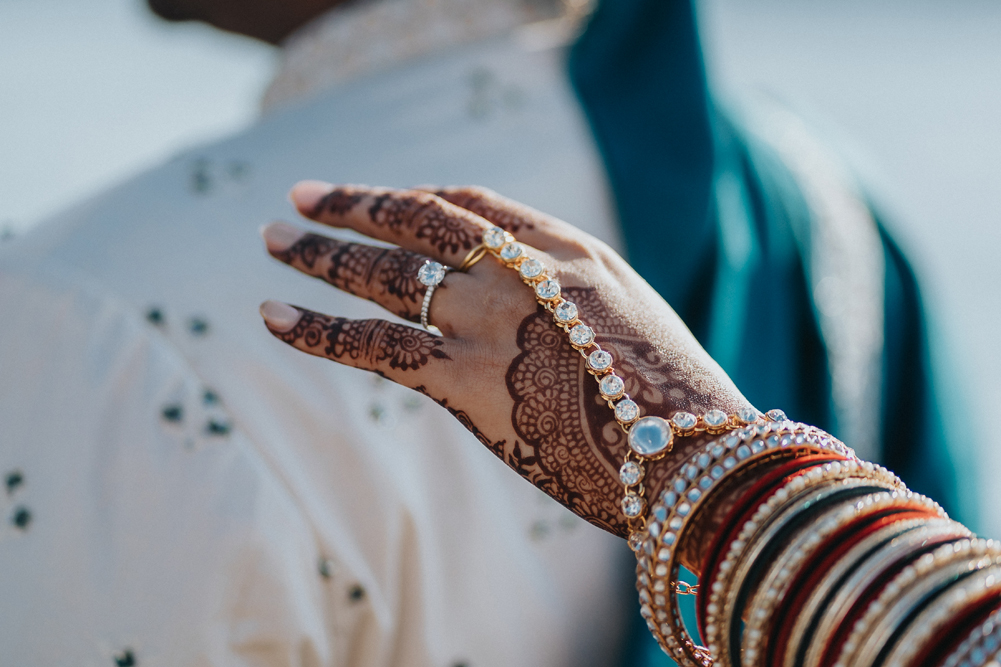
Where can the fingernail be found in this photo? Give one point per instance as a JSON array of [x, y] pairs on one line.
[[307, 194], [279, 236], [279, 316]]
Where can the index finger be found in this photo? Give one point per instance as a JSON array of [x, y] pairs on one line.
[[415, 220]]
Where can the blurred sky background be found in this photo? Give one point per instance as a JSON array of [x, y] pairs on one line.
[[92, 91]]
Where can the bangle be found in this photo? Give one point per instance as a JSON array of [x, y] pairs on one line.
[[922, 624], [863, 585], [794, 558], [983, 641], [822, 488], [925, 578], [657, 565], [815, 595]]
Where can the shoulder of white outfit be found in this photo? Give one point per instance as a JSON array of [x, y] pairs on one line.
[[137, 501]]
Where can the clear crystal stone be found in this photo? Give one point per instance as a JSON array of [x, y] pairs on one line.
[[630, 473], [684, 420], [669, 539], [776, 415], [654, 529], [511, 251], [431, 273], [626, 411], [747, 415], [598, 360], [743, 452], [632, 505], [636, 540], [650, 436], [494, 238], [581, 335], [680, 485], [705, 483], [547, 289], [694, 495], [530, 268], [716, 472], [566, 312], [612, 386], [684, 509], [715, 418], [669, 498], [660, 512]]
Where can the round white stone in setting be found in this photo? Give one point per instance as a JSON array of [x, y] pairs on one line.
[[630, 473], [776, 415], [626, 411], [611, 386], [715, 418], [684, 420], [747, 415], [651, 436], [511, 252], [599, 360], [632, 505], [566, 312], [431, 273], [547, 289], [530, 268], [581, 335], [494, 238]]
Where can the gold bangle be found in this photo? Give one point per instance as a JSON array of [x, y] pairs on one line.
[[897, 598], [777, 580], [852, 590], [778, 511], [706, 471], [473, 256]]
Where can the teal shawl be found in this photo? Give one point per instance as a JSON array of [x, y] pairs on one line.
[[690, 184]]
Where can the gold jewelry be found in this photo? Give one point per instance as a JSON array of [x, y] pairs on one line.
[[473, 256], [657, 567], [777, 512], [899, 596], [777, 580], [650, 438]]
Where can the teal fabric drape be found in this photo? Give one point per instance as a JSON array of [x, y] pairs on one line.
[[709, 218]]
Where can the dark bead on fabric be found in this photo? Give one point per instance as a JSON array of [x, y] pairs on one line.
[[21, 518], [155, 316], [173, 413], [218, 428], [356, 594], [13, 480], [126, 658]]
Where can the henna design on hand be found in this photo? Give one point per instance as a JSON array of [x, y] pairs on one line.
[[365, 343], [368, 271], [487, 204], [571, 447]]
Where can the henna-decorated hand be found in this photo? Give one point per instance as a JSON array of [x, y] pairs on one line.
[[501, 367]]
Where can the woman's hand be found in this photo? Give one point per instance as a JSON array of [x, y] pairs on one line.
[[501, 366]]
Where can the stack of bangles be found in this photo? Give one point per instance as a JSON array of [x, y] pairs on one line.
[[823, 560]]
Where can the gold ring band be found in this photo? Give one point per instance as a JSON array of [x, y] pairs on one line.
[[475, 255]]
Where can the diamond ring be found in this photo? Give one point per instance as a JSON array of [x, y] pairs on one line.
[[430, 274]]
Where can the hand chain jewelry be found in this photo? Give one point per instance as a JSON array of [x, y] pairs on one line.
[[650, 438]]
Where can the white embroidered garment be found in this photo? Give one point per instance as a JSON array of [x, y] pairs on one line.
[[182, 489]]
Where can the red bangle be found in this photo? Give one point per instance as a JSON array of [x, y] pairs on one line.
[[742, 510], [948, 639], [833, 649], [825, 556]]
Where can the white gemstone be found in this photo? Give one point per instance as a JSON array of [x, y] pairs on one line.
[[495, 237], [566, 312], [581, 335], [626, 411], [547, 289], [530, 268], [511, 251], [669, 498], [636, 540], [598, 360], [632, 505], [650, 436], [694, 495], [431, 273], [776, 415], [715, 418], [684, 420], [612, 386], [630, 473], [747, 415]]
